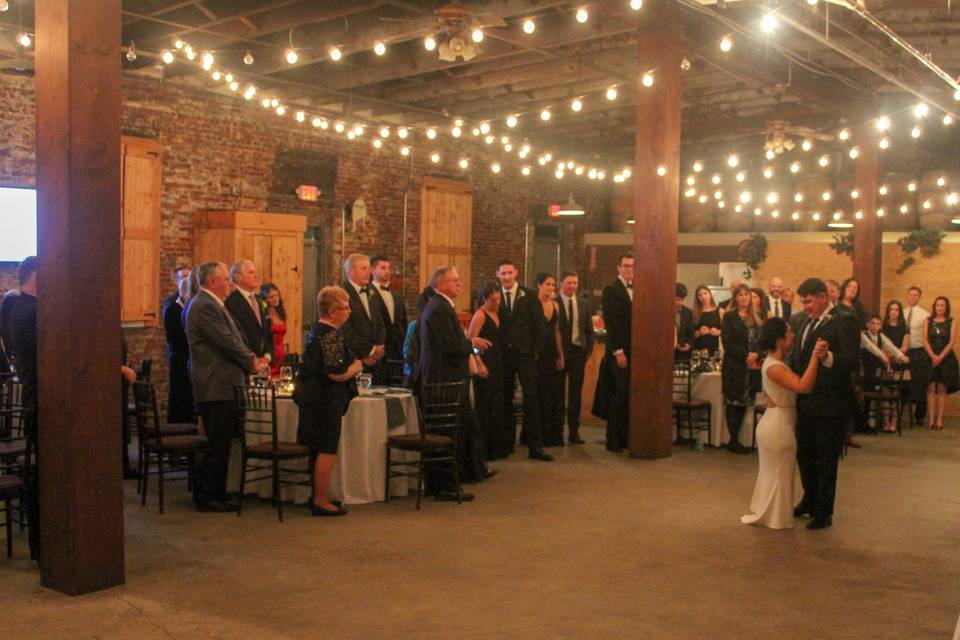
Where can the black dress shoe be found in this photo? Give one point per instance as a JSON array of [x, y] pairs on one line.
[[326, 513], [820, 522], [540, 454], [215, 506], [451, 496], [801, 510], [576, 440], [735, 447]]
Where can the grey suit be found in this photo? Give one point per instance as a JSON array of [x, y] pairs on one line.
[[219, 361]]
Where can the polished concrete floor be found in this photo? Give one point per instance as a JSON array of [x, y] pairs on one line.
[[591, 546]]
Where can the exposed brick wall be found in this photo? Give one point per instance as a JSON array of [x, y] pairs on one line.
[[212, 144]]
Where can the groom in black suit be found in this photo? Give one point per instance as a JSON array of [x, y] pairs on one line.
[[612, 396], [822, 413]]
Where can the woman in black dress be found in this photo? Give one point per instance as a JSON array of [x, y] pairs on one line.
[[707, 320], [490, 384], [180, 408], [849, 302], [895, 327], [324, 388], [550, 362], [939, 336], [740, 327]]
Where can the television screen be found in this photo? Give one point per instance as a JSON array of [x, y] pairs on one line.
[[18, 224]]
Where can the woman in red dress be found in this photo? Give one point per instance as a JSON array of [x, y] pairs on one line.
[[278, 324]]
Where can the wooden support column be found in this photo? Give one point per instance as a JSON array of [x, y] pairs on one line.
[[656, 211], [78, 224], [867, 232]]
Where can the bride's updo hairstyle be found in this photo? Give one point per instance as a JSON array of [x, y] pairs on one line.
[[773, 330]]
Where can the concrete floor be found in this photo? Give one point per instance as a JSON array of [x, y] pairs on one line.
[[591, 546]]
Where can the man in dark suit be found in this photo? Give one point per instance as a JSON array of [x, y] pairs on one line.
[[365, 332], [519, 327], [394, 310], [614, 394], [180, 272], [576, 333], [445, 357], [245, 305], [683, 318], [219, 361], [823, 412], [779, 308]]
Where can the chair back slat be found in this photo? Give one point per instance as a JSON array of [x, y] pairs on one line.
[[682, 382], [440, 407], [257, 407], [395, 373], [149, 429]]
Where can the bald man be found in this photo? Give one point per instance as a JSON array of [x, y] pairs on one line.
[[779, 308]]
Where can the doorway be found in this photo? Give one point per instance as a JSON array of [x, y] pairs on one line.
[[545, 251], [313, 274]]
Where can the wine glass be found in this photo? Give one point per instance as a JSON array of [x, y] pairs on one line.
[[263, 375], [286, 373]]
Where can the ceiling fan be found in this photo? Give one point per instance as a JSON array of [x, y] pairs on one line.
[[452, 26]]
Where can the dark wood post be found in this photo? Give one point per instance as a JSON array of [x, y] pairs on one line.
[[78, 223], [656, 211], [867, 232]]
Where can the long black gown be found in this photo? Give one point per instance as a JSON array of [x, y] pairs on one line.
[[548, 384], [497, 436]]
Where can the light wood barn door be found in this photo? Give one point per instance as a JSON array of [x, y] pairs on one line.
[[446, 217], [140, 231], [285, 260]]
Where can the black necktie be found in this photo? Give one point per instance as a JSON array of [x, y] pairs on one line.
[[570, 315], [509, 306]]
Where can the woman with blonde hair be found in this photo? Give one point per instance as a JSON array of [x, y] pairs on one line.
[[741, 324], [323, 390]]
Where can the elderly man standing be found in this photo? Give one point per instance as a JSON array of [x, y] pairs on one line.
[[244, 305], [219, 361], [365, 332]]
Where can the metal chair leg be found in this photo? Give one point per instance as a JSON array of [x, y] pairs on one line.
[[386, 482], [160, 481], [277, 498], [9, 525], [243, 483]]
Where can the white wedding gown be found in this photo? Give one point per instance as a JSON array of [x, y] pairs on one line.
[[772, 501]]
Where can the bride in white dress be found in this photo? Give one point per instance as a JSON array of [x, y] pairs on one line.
[[772, 501]]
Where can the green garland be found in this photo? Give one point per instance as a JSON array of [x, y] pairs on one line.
[[843, 243], [753, 252], [927, 241]]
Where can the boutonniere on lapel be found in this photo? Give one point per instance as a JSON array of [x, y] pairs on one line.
[[262, 304], [520, 292]]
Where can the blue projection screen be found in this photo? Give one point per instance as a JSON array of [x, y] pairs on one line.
[[18, 224]]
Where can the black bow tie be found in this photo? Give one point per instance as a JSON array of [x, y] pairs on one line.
[[385, 287], [365, 289], [630, 285]]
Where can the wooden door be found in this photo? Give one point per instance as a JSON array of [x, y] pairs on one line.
[[140, 231], [286, 260], [446, 217]]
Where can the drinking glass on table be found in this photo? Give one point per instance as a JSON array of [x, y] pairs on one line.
[[286, 373], [263, 375], [364, 382]]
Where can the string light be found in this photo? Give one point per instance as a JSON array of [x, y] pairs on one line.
[[881, 212], [844, 134], [884, 143], [770, 154], [661, 171], [379, 48], [576, 105], [859, 214], [429, 43], [166, 56], [579, 170], [691, 181], [281, 110], [358, 129], [915, 132], [768, 23], [726, 44], [525, 170], [582, 15], [942, 181], [647, 79], [921, 111], [456, 131], [795, 167], [511, 121], [807, 145], [477, 35], [315, 122], [402, 133], [798, 197], [384, 132], [229, 78], [741, 176], [883, 190], [404, 151], [697, 166], [612, 93], [464, 163], [248, 59], [266, 103], [431, 133], [626, 173], [335, 54], [529, 26], [883, 123], [338, 127], [351, 135], [816, 216], [855, 194], [216, 75], [854, 153], [636, 5], [768, 173], [904, 208], [234, 86], [702, 199], [434, 157], [824, 161], [178, 44], [545, 115], [291, 56], [947, 120], [927, 205], [795, 215], [912, 187], [733, 161], [716, 179], [249, 92], [377, 143], [953, 199], [489, 139], [827, 196]]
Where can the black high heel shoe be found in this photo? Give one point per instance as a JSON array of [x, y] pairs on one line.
[[325, 513]]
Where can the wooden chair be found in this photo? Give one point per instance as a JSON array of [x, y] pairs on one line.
[[168, 453], [395, 373], [435, 443], [689, 414], [884, 399], [15, 476], [258, 415]]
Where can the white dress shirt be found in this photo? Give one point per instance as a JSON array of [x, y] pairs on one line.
[[384, 291], [776, 308], [628, 286], [916, 317], [251, 297], [512, 299], [868, 341], [571, 305], [364, 299]]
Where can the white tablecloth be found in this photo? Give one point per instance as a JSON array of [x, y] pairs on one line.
[[708, 386], [359, 472]]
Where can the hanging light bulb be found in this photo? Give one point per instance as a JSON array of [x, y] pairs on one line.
[[697, 166], [178, 44], [636, 5], [798, 197], [229, 78], [167, 56], [484, 128], [456, 131], [921, 111], [685, 64], [854, 153], [525, 170], [741, 176], [131, 50], [434, 157], [4, 5], [582, 15], [548, 156], [884, 143], [855, 194], [207, 59], [379, 48], [647, 79], [529, 26], [464, 163], [947, 120], [942, 181], [816, 216], [545, 115], [912, 187], [216, 75], [339, 126], [883, 123], [576, 105], [733, 160], [844, 134], [191, 54], [335, 54], [768, 23], [431, 133], [316, 121], [300, 116], [281, 110], [429, 43], [559, 174], [570, 164], [249, 92], [248, 59], [716, 179], [827, 196], [404, 151], [795, 215], [377, 143], [477, 35], [881, 212], [927, 204], [402, 133], [726, 44], [511, 121], [806, 145], [358, 130], [904, 208], [770, 154], [915, 132], [768, 173], [266, 103], [824, 161], [859, 214], [883, 190], [612, 93], [691, 180]]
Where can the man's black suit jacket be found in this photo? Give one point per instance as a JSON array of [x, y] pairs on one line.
[[584, 320], [520, 328], [685, 330], [786, 306], [617, 314], [396, 330], [362, 332], [444, 349], [256, 335], [830, 395]]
